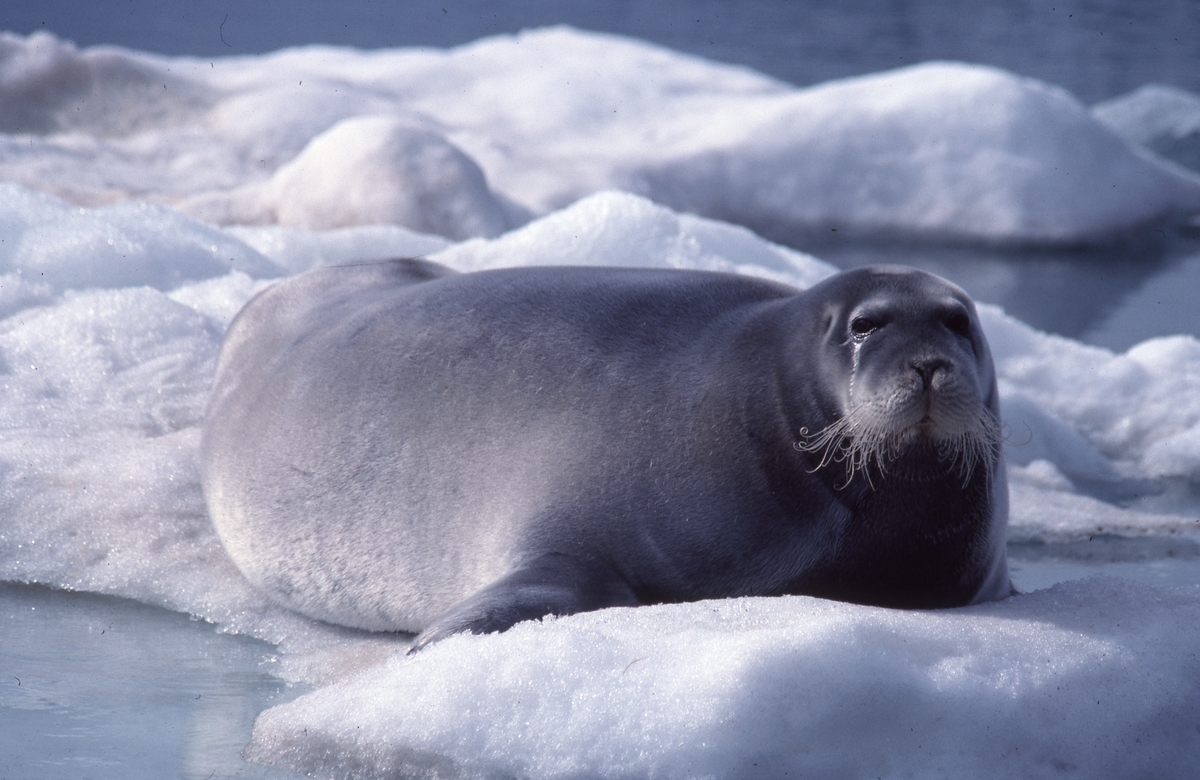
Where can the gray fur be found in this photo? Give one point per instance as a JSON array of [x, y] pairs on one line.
[[396, 447]]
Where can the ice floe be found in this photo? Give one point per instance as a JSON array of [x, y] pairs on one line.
[[1163, 119], [525, 124]]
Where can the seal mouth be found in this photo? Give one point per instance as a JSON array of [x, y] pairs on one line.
[[868, 443]]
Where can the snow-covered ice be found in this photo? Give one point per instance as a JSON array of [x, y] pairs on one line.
[[515, 151], [370, 170], [529, 123], [618, 229], [1089, 679], [1165, 120]]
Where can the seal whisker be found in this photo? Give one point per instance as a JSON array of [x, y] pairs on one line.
[[851, 440], [861, 439]]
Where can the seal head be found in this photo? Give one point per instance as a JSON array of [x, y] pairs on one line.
[[906, 428]]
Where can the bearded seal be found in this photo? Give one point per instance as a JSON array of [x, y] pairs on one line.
[[398, 447]]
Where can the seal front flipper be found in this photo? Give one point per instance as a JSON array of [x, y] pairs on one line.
[[550, 585]]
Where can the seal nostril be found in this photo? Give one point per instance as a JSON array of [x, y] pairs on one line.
[[930, 369]]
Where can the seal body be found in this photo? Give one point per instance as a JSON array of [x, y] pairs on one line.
[[398, 447]]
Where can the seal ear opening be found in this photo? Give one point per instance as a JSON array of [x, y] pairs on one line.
[[550, 585]]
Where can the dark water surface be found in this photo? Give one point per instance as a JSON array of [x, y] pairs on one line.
[[1096, 48], [110, 689]]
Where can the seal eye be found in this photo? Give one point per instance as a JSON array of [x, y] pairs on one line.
[[860, 327], [959, 323]]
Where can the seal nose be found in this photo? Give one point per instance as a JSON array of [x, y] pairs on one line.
[[932, 371]]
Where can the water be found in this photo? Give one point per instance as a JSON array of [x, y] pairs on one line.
[[1166, 562], [100, 687], [1096, 48]]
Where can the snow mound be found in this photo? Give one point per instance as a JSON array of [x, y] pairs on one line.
[[1163, 119], [50, 243], [1046, 508], [47, 85], [1139, 409], [944, 150], [1096, 678], [470, 141], [619, 229], [1133, 426], [369, 170], [98, 482]]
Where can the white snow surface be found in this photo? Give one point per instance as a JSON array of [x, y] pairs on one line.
[[525, 124], [1163, 119], [1082, 680], [113, 304], [369, 170], [106, 375]]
